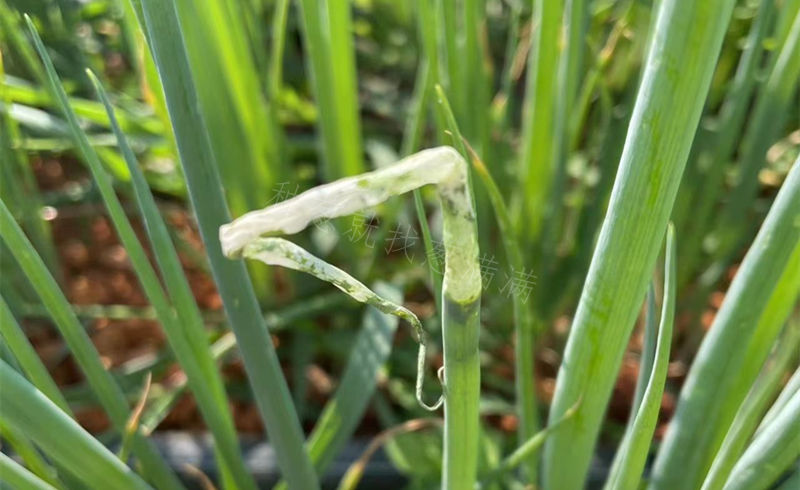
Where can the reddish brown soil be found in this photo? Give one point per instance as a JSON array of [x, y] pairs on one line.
[[96, 271]]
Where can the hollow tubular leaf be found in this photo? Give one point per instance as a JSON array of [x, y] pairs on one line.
[[771, 453], [185, 332], [710, 389], [345, 85], [21, 444], [686, 42], [20, 478], [205, 190], [333, 86], [524, 334], [186, 337], [109, 394], [529, 447], [696, 208], [370, 351], [626, 471], [541, 122], [240, 123], [648, 353], [747, 418], [26, 355], [61, 437], [765, 126], [792, 386]]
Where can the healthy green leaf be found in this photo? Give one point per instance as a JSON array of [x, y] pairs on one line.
[[761, 394], [80, 345], [765, 125], [696, 208], [29, 454], [200, 168], [60, 436], [711, 386], [677, 73], [540, 150], [629, 462], [241, 125], [791, 387], [23, 351], [20, 478], [187, 335], [327, 38], [771, 453]]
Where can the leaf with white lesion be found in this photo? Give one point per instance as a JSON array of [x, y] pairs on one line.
[[254, 234], [277, 251]]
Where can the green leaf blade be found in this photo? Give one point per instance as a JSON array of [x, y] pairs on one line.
[[187, 335], [235, 288], [21, 479], [687, 40], [691, 441], [62, 438], [626, 471], [32, 365]]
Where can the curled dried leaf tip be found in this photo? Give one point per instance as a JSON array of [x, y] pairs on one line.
[[254, 235]]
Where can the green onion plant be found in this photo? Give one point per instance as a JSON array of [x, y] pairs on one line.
[[591, 184]]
